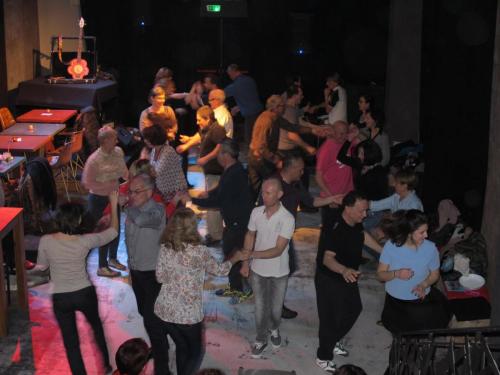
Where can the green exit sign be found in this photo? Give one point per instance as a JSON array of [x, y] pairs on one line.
[[214, 8]]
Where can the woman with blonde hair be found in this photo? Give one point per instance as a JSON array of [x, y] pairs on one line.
[[182, 264]]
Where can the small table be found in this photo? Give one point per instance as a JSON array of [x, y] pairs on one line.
[[11, 219], [34, 129], [53, 116], [7, 167], [465, 304], [27, 143]]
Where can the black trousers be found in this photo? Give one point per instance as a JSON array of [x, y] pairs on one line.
[[96, 206], [339, 306], [65, 306], [233, 238], [188, 346], [146, 290]]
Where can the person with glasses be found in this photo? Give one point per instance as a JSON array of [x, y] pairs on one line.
[[143, 228]]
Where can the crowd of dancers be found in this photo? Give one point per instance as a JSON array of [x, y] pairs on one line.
[[251, 212]]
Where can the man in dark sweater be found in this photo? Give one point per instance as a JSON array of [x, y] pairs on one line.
[[212, 134], [232, 196]]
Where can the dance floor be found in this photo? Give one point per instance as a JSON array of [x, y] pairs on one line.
[[229, 329]]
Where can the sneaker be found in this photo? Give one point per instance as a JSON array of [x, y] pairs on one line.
[[106, 272], [115, 264], [275, 338], [340, 349], [240, 297], [258, 348], [226, 292], [286, 313], [328, 366]]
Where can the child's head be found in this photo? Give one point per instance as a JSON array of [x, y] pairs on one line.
[[406, 180], [350, 370], [141, 166], [132, 356]]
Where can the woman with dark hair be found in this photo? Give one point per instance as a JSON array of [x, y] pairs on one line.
[[409, 266], [158, 111], [166, 162], [182, 264], [374, 124], [65, 253], [369, 175], [365, 103], [38, 193]]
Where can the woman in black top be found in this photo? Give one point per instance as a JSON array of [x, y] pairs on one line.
[[369, 176]]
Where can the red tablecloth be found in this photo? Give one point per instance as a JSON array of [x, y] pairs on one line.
[[55, 116], [478, 293]]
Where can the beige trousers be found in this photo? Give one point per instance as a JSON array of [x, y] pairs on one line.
[[214, 218]]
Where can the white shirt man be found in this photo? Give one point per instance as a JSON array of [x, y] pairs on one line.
[[216, 99], [270, 229]]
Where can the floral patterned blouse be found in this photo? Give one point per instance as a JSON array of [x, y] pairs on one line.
[[182, 274], [169, 175]]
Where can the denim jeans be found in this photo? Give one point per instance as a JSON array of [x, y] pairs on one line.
[[96, 206], [269, 295], [65, 306]]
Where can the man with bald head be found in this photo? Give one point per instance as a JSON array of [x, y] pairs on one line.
[[216, 100], [269, 232], [332, 176]]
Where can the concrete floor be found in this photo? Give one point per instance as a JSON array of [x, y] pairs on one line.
[[229, 329]]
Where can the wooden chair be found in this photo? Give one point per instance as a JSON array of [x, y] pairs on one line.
[[76, 139], [6, 118], [60, 162]]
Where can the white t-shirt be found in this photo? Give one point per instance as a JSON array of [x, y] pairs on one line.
[[224, 119], [281, 223], [339, 111]]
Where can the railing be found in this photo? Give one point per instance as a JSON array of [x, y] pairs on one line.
[[471, 351]]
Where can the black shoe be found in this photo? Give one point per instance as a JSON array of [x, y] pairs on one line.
[[286, 313]]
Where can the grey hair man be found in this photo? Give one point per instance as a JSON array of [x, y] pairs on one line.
[[101, 174], [143, 228], [216, 100]]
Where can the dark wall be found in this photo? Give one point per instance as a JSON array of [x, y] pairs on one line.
[[456, 93], [348, 36]]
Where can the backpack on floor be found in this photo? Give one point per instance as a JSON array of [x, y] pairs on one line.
[[474, 248]]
